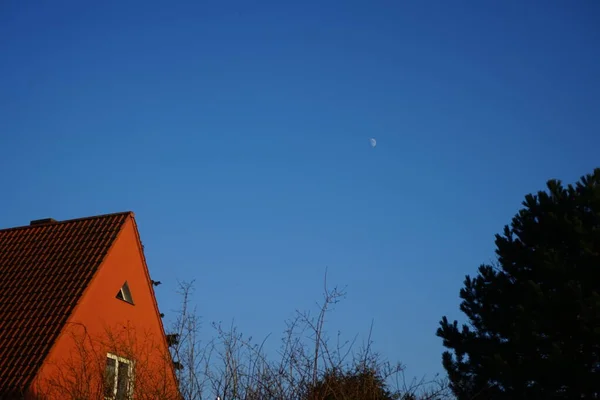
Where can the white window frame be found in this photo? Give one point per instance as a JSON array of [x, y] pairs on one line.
[[130, 364]]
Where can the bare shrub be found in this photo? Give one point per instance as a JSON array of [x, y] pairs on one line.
[[309, 365]]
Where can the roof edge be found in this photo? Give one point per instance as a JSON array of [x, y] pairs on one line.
[[66, 221], [154, 300]]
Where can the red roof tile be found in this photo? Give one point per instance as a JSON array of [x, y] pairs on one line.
[[44, 270]]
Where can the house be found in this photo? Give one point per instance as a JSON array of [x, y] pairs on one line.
[[78, 314]]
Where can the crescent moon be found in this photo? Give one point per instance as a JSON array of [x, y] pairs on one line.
[[373, 142]]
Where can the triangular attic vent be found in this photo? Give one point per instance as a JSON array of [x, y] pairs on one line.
[[125, 294]]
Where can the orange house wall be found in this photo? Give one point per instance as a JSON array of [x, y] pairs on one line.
[[100, 311]]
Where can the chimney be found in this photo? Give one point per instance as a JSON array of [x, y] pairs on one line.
[[43, 221]]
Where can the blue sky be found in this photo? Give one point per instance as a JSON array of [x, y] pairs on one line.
[[238, 132]]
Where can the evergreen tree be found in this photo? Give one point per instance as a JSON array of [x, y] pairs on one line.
[[534, 316]]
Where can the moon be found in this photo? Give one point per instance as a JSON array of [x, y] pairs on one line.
[[373, 142]]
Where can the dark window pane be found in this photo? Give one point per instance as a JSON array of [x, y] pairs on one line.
[[109, 377], [122, 381]]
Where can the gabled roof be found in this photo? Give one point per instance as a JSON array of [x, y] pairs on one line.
[[44, 269]]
